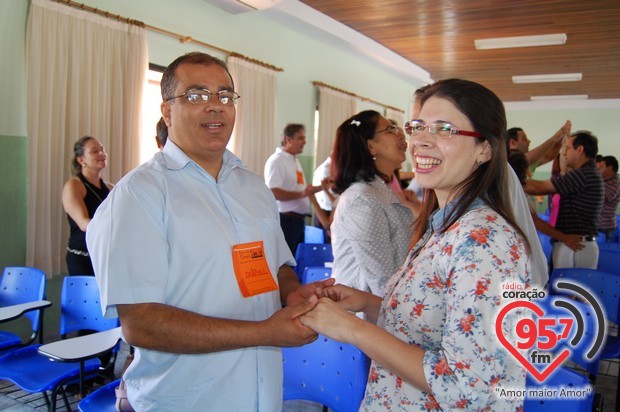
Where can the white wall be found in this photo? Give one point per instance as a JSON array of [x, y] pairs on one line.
[[540, 123], [12, 67], [303, 58]]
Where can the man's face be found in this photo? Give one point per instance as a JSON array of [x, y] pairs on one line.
[[201, 130], [606, 171], [295, 144], [522, 143], [571, 154]]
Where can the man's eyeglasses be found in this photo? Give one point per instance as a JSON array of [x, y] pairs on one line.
[[198, 96], [441, 129], [391, 129]]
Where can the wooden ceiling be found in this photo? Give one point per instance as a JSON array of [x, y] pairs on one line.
[[438, 36]]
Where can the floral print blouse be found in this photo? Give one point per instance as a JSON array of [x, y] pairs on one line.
[[445, 299]]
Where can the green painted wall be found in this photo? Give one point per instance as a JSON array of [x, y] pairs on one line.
[[13, 141], [13, 186]]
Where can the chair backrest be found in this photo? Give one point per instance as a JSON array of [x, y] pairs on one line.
[[604, 285], [545, 243], [314, 235], [326, 371], [589, 333], [80, 306], [609, 246], [609, 261], [316, 273], [20, 285], [312, 254], [101, 400]]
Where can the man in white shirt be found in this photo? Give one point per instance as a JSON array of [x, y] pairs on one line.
[[325, 198], [285, 177], [189, 254]]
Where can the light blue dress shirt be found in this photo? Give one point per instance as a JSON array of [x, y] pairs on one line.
[[164, 235]]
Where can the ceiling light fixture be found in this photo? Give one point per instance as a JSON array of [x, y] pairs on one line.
[[561, 97], [547, 78], [521, 41]]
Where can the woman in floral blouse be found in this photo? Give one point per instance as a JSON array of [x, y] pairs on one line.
[[434, 345]]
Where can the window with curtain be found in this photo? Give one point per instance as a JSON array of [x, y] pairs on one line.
[[334, 108], [85, 77], [254, 129]]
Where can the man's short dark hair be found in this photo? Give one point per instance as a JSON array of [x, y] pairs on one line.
[[588, 141], [611, 161], [290, 130], [168, 79], [161, 135], [513, 133]]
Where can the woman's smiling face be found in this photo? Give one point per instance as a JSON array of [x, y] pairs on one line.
[[443, 163]]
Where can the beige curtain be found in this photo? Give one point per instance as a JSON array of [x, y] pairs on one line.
[[85, 77], [252, 138], [334, 108], [395, 115]]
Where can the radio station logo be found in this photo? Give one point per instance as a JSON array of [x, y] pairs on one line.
[[569, 325]]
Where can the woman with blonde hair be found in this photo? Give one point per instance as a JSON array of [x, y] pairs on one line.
[[81, 196]]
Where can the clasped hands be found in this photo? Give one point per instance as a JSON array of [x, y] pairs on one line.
[[326, 308]]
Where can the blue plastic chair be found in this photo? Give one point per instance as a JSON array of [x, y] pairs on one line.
[[331, 373], [545, 243], [101, 400], [564, 377], [590, 330], [314, 234], [315, 274], [609, 261], [609, 246], [34, 373], [312, 254], [21, 285], [606, 289]]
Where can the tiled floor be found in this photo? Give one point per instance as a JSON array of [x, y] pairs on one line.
[[12, 399]]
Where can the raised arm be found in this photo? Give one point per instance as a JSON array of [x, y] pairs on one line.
[[547, 151]]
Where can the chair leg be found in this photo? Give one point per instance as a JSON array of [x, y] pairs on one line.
[[53, 398], [618, 393], [65, 398], [47, 400]]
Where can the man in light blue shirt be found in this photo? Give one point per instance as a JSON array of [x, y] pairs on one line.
[[188, 252]]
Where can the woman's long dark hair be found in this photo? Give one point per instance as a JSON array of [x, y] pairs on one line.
[[351, 159], [485, 111]]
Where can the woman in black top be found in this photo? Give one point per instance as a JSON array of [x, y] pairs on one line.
[[81, 196]]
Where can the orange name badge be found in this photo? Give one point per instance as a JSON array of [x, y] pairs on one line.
[[300, 177], [251, 269]]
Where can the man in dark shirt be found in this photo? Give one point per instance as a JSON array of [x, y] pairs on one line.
[[608, 165], [581, 199]]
